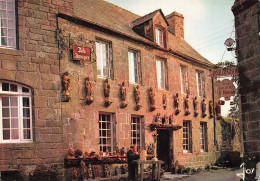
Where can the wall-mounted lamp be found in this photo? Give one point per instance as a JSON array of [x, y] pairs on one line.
[[230, 44]]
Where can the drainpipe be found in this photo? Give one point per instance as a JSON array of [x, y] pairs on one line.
[[214, 117]]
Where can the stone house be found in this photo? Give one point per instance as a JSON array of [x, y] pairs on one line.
[[247, 23], [45, 108]]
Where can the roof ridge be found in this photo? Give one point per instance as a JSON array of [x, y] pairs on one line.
[[146, 15]]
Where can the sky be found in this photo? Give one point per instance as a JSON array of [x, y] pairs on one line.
[[207, 24]]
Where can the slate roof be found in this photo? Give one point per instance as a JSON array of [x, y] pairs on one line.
[[110, 16]]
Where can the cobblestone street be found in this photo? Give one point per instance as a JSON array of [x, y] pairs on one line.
[[212, 175]]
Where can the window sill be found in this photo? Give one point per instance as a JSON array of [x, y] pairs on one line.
[[187, 152], [8, 50], [16, 142]]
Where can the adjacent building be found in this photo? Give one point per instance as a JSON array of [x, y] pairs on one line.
[[123, 92]]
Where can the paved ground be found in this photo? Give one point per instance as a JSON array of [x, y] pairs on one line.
[[212, 175]]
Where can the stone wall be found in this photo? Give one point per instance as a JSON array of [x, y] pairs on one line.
[[80, 121], [35, 63], [247, 32]]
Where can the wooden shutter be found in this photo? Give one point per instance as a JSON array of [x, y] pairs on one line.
[[203, 84], [166, 75], [111, 75], [139, 68]]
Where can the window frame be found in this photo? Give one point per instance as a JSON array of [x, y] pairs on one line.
[[140, 131], [12, 27], [200, 78], [109, 59], [20, 95], [203, 137], [187, 147], [184, 79], [112, 130], [159, 36], [136, 67], [162, 76]]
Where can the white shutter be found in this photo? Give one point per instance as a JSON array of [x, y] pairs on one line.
[[159, 73]]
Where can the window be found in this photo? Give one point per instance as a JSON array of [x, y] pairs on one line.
[[104, 59], [187, 136], [134, 67], [7, 24], [161, 73], [137, 134], [184, 80], [200, 83], [107, 132], [159, 37], [203, 137], [15, 113]]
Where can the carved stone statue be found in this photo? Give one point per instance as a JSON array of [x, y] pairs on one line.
[[71, 154], [78, 153], [203, 108], [117, 151], [123, 95], [137, 98], [96, 172], [106, 171], [211, 109], [171, 119], [66, 86], [187, 105], [152, 100], [195, 104], [150, 149], [89, 98], [157, 118], [166, 119], [122, 151], [89, 172], [176, 104], [107, 93], [117, 170], [218, 109], [164, 101]]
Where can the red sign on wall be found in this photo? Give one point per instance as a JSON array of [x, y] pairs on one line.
[[81, 53]]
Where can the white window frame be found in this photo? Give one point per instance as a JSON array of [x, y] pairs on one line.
[[134, 67], [8, 16], [203, 137], [135, 130], [159, 37], [20, 95], [187, 137], [200, 83], [104, 61], [101, 137], [161, 73], [184, 79]]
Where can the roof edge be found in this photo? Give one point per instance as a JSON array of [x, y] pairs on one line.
[[78, 20]]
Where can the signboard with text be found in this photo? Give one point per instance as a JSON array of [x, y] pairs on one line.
[[226, 89], [229, 71], [81, 53]]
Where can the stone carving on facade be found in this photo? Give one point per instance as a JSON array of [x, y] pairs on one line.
[[164, 101], [176, 104], [157, 118], [78, 153], [218, 109], [171, 119], [195, 105], [203, 108], [89, 98], [187, 105], [122, 151], [89, 172], [137, 98], [123, 95], [150, 149], [96, 172], [66, 87], [107, 93], [117, 170], [211, 109], [152, 99], [166, 119]]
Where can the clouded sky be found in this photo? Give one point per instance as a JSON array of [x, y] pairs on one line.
[[207, 24]]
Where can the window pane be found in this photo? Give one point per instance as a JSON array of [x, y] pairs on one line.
[[4, 40], [2, 5], [25, 102], [26, 123], [3, 23], [6, 123], [6, 134], [25, 89], [3, 31], [13, 87], [15, 134], [14, 101], [14, 123], [5, 101], [5, 86], [5, 112], [14, 112], [26, 134], [9, 6], [26, 112]]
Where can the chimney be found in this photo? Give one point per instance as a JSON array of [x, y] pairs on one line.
[[176, 23]]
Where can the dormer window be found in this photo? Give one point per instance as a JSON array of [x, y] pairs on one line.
[[159, 37]]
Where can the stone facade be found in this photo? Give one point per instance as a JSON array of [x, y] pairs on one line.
[[247, 31], [45, 31]]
